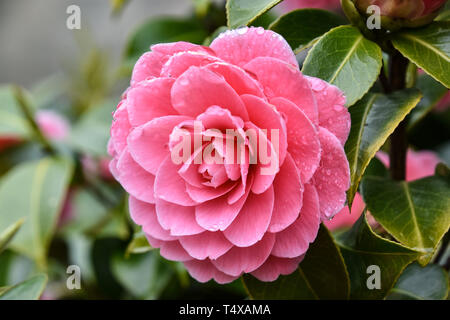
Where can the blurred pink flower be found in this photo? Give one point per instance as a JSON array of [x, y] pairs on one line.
[[419, 165], [289, 5], [226, 218], [53, 126], [401, 9]]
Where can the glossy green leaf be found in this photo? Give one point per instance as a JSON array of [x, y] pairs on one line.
[[415, 213], [362, 248], [144, 275], [421, 283], [374, 118], [12, 121], [428, 48], [345, 58], [321, 275], [242, 12], [432, 92], [164, 30], [30, 289], [34, 191], [7, 235], [302, 27]]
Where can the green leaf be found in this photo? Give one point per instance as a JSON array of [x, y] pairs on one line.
[[30, 289], [144, 275], [321, 275], [421, 283], [302, 27], [345, 58], [374, 118], [139, 244], [362, 248], [91, 133], [242, 12], [7, 235], [428, 48], [12, 122], [432, 92], [415, 213], [164, 30], [34, 191]]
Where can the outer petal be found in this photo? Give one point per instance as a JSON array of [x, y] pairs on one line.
[[149, 65], [172, 250], [120, 128], [178, 219], [199, 88], [134, 179], [302, 137], [180, 62], [243, 45], [253, 220], [288, 190], [149, 100], [332, 179], [295, 239], [148, 144], [180, 46], [239, 260], [333, 114], [345, 218], [169, 186], [206, 245], [274, 267], [144, 214], [280, 79], [203, 271]]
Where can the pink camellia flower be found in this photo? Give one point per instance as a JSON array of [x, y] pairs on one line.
[[420, 11], [52, 125], [289, 5], [419, 165], [229, 217]]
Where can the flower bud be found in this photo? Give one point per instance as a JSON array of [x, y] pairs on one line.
[[400, 13]]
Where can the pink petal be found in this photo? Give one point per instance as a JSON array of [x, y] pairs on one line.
[[345, 218], [144, 214], [149, 100], [216, 117], [203, 271], [169, 186], [245, 44], [148, 144], [206, 245], [302, 138], [204, 194], [253, 220], [199, 88], [280, 79], [236, 77], [288, 190], [149, 65], [180, 220], [295, 239], [172, 250], [265, 116], [274, 267], [135, 180], [218, 214], [120, 128], [180, 46], [180, 62], [245, 260], [332, 178], [333, 114]]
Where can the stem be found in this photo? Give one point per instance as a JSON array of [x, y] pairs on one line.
[[399, 142], [28, 113]]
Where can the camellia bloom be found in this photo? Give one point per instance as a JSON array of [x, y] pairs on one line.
[[417, 12], [419, 165], [289, 5], [229, 217]]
